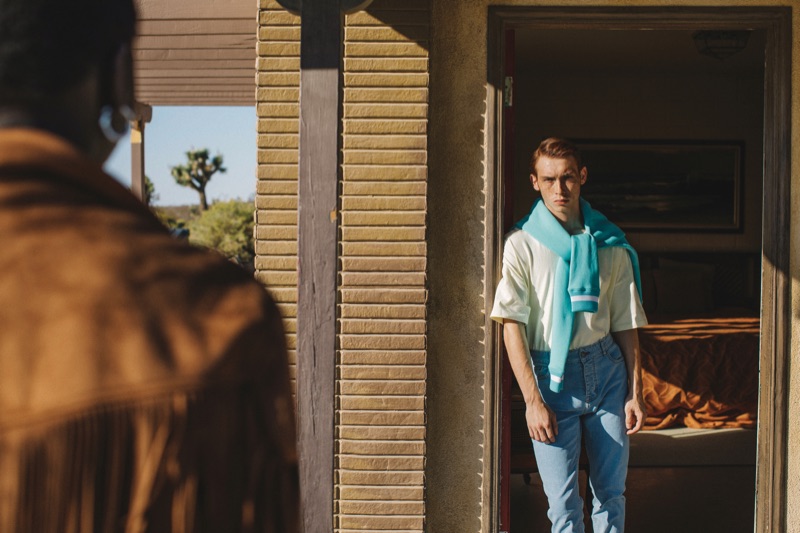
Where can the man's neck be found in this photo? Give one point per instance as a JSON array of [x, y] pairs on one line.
[[572, 222]]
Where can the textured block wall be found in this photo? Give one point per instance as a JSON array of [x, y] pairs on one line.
[[380, 426]]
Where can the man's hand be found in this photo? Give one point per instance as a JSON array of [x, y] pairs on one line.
[[635, 413], [542, 425]]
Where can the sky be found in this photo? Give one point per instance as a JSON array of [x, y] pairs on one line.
[[230, 131]]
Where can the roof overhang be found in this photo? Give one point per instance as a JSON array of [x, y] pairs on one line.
[[196, 53]]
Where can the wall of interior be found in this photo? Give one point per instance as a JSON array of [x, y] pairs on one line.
[[666, 102]]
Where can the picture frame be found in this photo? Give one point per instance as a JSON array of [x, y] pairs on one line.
[[658, 186]]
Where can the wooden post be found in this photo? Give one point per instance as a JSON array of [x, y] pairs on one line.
[[318, 222], [143, 115]]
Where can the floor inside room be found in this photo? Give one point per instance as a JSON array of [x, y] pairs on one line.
[[659, 500]]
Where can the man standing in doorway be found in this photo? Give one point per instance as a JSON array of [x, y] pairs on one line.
[[570, 302]]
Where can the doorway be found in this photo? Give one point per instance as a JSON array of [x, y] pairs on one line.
[[596, 77]]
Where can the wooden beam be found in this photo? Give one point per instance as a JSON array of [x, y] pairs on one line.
[[318, 221], [143, 114]]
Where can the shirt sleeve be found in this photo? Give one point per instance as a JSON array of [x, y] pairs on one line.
[[512, 295], [626, 306]]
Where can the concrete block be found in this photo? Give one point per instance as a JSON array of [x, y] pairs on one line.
[[274, 125], [276, 202], [373, 311], [383, 359], [383, 218], [384, 296], [394, 95], [381, 523], [382, 387], [382, 279], [369, 447], [288, 309], [279, 17], [291, 341], [278, 94], [276, 247], [383, 249], [366, 477], [385, 33], [278, 49], [373, 233], [385, 157], [380, 508], [276, 263], [277, 64], [383, 203], [382, 433], [267, 156], [391, 110], [375, 17], [414, 417], [384, 173], [383, 264], [371, 326], [356, 492], [382, 403], [391, 372], [278, 79], [276, 187], [386, 65], [385, 142], [290, 325], [385, 127], [407, 49], [283, 294], [277, 172], [276, 233], [381, 464], [394, 79], [279, 33], [286, 217], [279, 110], [277, 279], [382, 342], [280, 140], [389, 9]]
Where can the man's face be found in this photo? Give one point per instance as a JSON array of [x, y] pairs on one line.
[[559, 181]]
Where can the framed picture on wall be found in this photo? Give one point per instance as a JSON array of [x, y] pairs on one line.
[[666, 185]]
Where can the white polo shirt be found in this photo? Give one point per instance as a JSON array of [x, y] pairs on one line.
[[525, 293]]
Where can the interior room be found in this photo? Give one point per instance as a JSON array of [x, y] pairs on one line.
[[670, 124]]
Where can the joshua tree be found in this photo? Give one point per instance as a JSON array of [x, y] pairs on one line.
[[150, 194], [197, 172]]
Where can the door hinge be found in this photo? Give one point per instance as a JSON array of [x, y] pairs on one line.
[[508, 91]]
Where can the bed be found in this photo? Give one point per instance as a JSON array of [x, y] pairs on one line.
[[701, 372], [700, 384]]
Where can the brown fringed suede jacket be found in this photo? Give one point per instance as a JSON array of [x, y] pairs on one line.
[[143, 382]]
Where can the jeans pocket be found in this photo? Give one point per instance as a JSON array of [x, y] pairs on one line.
[[540, 366], [614, 353]]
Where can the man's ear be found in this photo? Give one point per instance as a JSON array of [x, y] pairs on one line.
[[584, 175], [534, 182]]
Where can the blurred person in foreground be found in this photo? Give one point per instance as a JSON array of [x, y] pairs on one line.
[[143, 383]]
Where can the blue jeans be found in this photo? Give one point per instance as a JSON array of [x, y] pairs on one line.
[[592, 403]]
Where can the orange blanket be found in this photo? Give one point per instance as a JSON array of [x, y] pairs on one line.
[[701, 373]]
